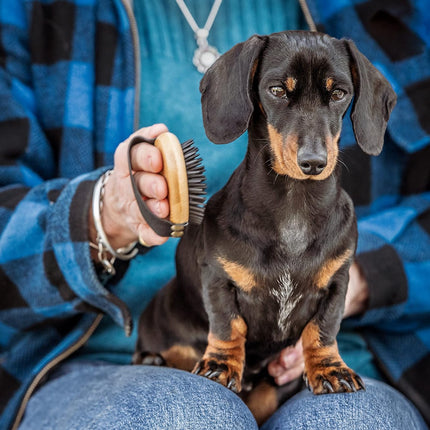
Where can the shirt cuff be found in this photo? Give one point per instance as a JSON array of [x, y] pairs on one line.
[[386, 279]]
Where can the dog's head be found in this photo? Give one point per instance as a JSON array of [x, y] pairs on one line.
[[302, 83]]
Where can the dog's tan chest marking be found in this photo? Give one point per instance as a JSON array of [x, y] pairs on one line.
[[330, 267], [240, 275]]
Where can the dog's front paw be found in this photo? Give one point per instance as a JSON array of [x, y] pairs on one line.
[[219, 371], [148, 358], [329, 377]]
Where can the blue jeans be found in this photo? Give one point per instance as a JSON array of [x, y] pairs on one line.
[[107, 396]]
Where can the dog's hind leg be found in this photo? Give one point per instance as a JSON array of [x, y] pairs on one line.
[[182, 357]]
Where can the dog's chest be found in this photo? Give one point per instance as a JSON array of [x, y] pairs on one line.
[[294, 234], [277, 309], [286, 296]]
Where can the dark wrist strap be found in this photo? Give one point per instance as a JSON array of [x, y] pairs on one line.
[[162, 227]]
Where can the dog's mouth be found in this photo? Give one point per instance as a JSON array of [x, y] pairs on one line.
[[285, 157]]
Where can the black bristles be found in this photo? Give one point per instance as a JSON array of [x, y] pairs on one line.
[[196, 181]]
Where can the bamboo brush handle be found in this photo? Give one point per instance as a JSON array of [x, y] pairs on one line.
[[175, 173]]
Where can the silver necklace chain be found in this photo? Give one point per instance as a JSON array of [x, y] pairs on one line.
[[205, 55]]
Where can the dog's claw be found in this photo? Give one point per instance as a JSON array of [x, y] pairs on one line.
[[347, 385], [212, 374], [305, 378], [360, 383], [338, 379], [232, 386], [219, 372], [327, 386]]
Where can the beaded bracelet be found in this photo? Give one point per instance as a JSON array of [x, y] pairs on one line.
[[103, 245]]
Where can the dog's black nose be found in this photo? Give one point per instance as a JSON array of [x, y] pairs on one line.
[[312, 164]]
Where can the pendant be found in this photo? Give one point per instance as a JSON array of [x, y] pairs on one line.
[[205, 55]]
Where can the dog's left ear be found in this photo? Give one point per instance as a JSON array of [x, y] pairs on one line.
[[374, 99], [227, 103]]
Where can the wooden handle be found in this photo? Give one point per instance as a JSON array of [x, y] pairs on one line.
[[175, 173]]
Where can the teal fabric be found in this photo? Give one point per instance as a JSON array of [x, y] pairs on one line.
[[170, 94]]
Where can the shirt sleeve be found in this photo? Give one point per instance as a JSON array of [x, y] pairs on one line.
[[394, 254], [45, 266]]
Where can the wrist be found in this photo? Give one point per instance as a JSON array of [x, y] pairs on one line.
[[357, 297], [106, 253]]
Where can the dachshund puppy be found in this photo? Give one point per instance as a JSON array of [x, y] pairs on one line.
[[269, 263]]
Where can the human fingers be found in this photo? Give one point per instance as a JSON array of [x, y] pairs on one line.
[[289, 364], [158, 207], [144, 156], [151, 185]]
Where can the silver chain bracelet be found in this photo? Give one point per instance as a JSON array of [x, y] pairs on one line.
[[103, 246]]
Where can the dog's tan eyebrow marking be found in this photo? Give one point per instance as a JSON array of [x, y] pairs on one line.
[[329, 84], [291, 84], [330, 267], [239, 274]]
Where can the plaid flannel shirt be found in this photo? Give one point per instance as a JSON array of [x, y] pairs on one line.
[[67, 95]]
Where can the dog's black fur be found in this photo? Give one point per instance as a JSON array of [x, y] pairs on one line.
[[270, 262]]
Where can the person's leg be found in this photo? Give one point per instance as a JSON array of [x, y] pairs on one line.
[[380, 407], [105, 396]]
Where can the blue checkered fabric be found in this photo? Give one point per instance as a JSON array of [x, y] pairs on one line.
[[392, 192], [66, 100]]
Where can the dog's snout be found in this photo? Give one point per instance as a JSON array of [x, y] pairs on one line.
[[311, 163]]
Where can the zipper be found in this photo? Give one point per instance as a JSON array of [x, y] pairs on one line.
[[80, 342], [136, 51], [308, 16]]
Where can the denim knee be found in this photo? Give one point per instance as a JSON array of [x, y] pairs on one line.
[[134, 397], [380, 407]]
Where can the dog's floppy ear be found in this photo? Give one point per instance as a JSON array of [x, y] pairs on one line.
[[226, 91], [374, 99]]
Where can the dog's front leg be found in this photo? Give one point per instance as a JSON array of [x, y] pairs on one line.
[[224, 357], [325, 371]]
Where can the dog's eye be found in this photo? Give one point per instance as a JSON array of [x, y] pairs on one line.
[[278, 91], [337, 95]]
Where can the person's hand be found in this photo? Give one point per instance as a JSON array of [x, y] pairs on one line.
[[289, 364], [121, 218]]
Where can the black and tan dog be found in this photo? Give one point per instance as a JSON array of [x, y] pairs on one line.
[[269, 264]]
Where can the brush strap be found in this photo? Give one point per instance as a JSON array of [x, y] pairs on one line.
[[163, 227]]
